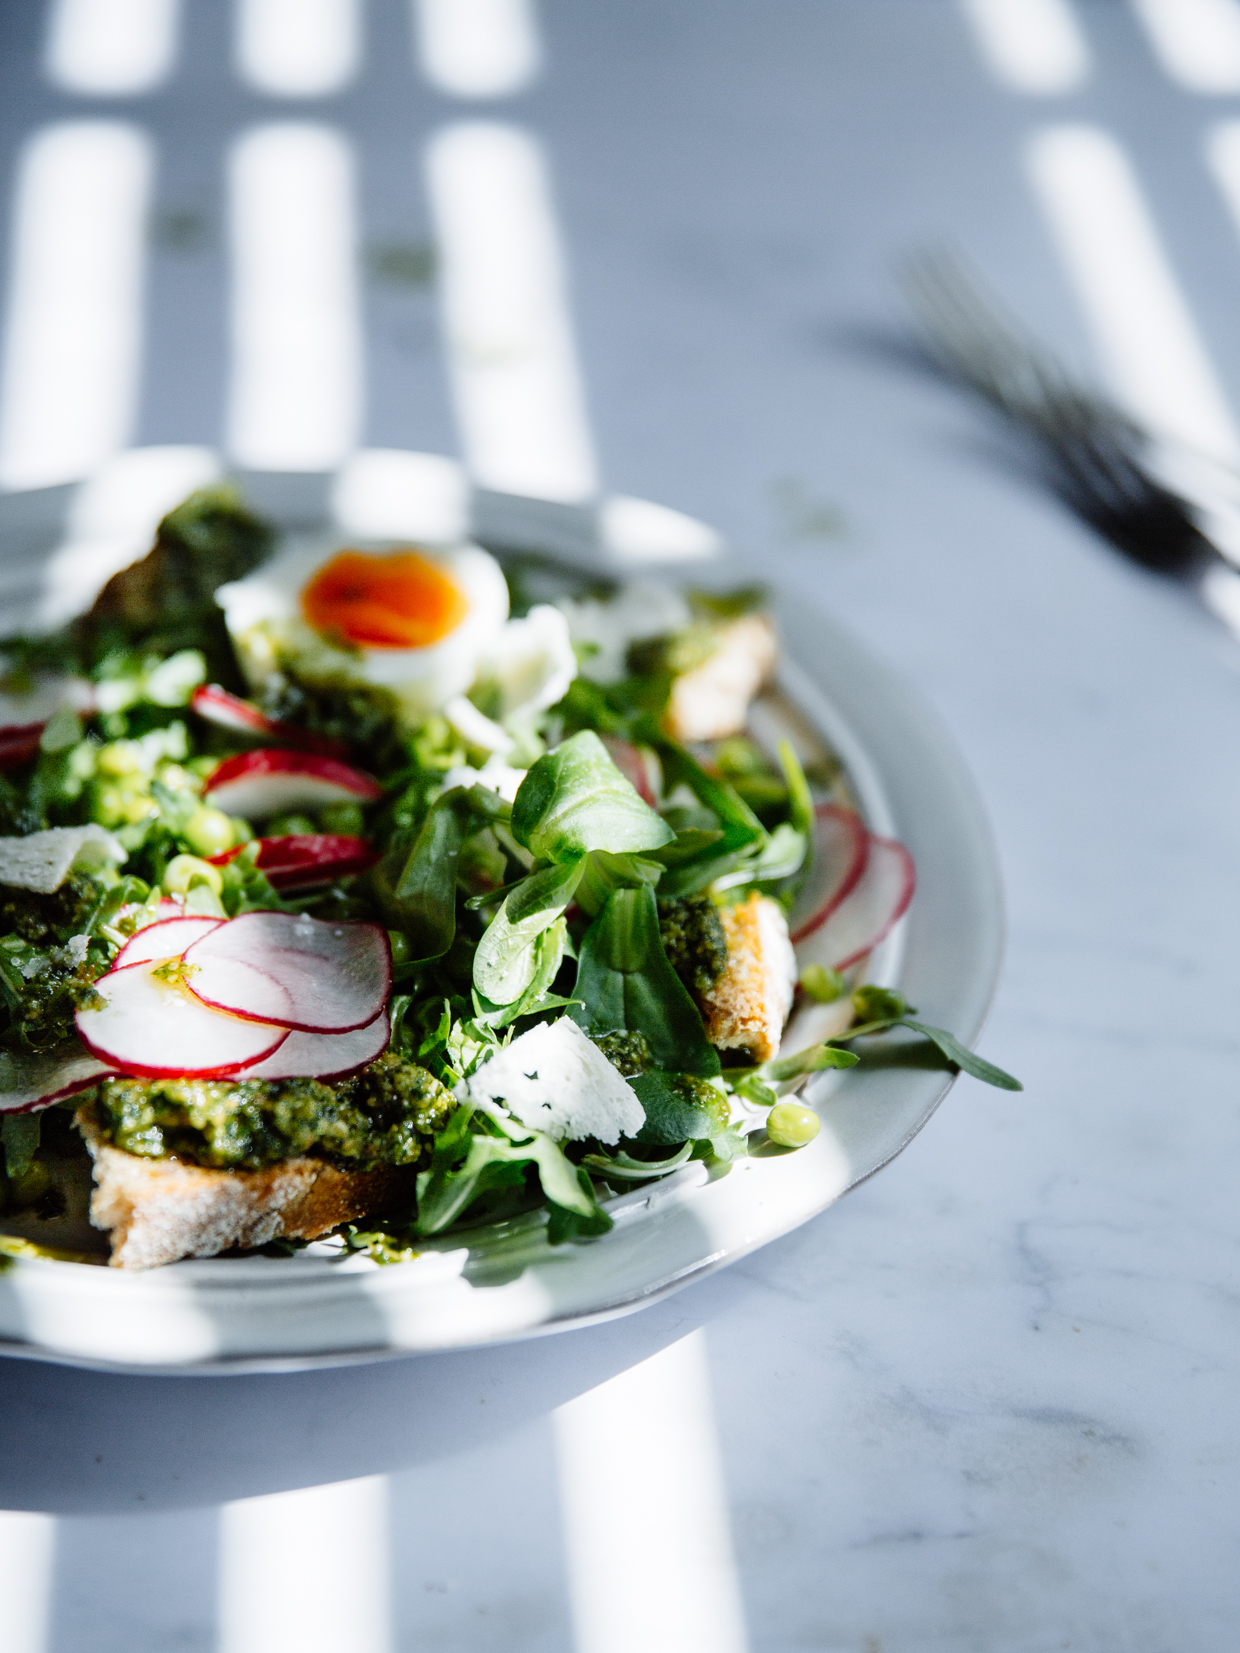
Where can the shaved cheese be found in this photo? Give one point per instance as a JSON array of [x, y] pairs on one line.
[[556, 1080], [43, 860]]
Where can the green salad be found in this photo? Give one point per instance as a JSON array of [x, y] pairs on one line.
[[384, 893]]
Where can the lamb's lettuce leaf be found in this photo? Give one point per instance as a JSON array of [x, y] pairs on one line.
[[507, 960], [626, 985], [574, 800]]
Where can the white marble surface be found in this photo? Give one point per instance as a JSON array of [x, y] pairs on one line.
[[989, 1403]]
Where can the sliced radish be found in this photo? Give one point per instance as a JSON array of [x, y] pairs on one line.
[[337, 976], [19, 745], [36, 1079], [271, 780], [157, 1030], [325, 1055], [301, 859], [167, 938], [229, 711], [868, 913], [841, 847], [633, 762]]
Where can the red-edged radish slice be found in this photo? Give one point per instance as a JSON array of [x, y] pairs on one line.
[[841, 848], [36, 1079], [272, 780], [326, 1055], [868, 913], [301, 859], [19, 745], [156, 1030], [632, 763], [337, 975], [229, 711], [167, 938]]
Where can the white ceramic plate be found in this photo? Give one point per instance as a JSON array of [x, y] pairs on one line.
[[253, 1313]]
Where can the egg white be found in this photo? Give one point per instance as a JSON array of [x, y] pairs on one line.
[[264, 616]]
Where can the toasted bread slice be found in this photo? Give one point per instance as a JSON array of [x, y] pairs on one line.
[[158, 1210], [711, 701], [749, 1004]]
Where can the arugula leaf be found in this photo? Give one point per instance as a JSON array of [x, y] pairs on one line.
[[626, 985], [575, 799], [470, 1159], [739, 825], [811, 1060], [507, 959], [963, 1058]]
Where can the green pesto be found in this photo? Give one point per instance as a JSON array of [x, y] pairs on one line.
[[388, 1114], [694, 940], [628, 1053], [44, 920]]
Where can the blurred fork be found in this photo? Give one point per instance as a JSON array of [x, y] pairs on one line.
[[1172, 510]]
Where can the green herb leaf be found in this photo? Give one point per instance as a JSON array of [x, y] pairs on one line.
[[627, 985], [575, 799], [623, 1167], [415, 886], [963, 1058], [507, 959], [604, 872], [811, 1060], [679, 1107], [19, 1137]]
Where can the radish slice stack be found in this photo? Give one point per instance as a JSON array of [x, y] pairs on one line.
[[264, 996], [853, 925], [300, 860], [315, 976], [841, 849], [272, 780], [229, 711]]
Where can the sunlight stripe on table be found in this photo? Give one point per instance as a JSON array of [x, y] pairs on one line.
[[1132, 300], [477, 48], [27, 1544], [308, 1570], [1034, 46], [642, 1497], [511, 355], [1196, 41], [111, 48], [298, 48], [73, 331], [296, 391]]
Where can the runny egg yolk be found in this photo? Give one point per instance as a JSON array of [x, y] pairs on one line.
[[397, 601]]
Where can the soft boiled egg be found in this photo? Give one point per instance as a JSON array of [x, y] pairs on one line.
[[415, 623]]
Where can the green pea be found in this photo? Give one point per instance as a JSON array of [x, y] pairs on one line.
[[184, 870], [789, 1125], [121, 757], [400, 946], [209, 831], [822, 984], [344, 818]]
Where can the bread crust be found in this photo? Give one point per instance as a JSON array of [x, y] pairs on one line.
[[712, 701], [159, 1210], [749, 1004]]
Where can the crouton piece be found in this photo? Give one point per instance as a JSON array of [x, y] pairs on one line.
[[711, 701], [158, 1210], [748, 1005]]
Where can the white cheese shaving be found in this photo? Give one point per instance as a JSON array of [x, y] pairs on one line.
[[43, 860], [555, 1079]]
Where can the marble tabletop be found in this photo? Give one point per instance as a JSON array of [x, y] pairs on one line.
[[987, 1404]]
